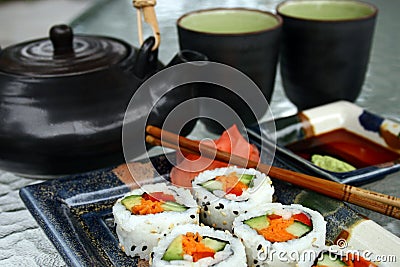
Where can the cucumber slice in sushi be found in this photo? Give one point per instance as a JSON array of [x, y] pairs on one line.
[[247, 179], [258, 223], [298, 229], [130, 201], [145, 215], [175, 250], [222, 199], [214, 244], [330, 261], [212, 185], [274, 227], [133, 200], [195, 245], [173, 206]]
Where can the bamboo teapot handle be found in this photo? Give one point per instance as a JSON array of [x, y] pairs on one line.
[[146, 7]]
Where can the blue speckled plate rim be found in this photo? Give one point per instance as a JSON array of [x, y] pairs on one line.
[[51, 203], [46, 202], [357, 177]]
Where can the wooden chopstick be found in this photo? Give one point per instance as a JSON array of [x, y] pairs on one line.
[[385, 204], [337, 190]]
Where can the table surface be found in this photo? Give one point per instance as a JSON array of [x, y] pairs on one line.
[[23, 243]]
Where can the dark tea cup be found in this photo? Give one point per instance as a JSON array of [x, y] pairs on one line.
[[325, 49], [246, 39]]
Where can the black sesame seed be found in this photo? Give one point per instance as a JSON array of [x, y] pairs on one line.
[[133, 248], [208, 203], [205, 208], [165, 234], [259, 247], [255, 261], [144, 248], [221, 205], [205, 197], [192, 216], [152, 255], [235, 212], [217, 207]]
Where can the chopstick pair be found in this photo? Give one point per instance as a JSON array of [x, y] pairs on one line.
[[384, 204]]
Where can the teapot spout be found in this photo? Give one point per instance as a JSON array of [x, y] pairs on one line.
[[146, 59], [185, 56], [172, 103]]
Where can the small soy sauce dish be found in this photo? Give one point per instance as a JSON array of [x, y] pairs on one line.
[[339, 141]]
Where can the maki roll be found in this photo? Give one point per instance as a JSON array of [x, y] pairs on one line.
[[225, 193], [280, 235], [193, 245], [145, 215], [328, 259]]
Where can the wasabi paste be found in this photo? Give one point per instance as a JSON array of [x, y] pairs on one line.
[[331, 164]]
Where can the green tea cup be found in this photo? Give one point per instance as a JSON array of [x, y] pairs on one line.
[[246, 39], [325, 49]]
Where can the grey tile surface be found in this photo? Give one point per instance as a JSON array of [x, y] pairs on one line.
[[22, 242], [25, 20]]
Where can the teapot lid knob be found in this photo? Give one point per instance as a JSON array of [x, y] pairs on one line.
[[61, 37], [64, 53]]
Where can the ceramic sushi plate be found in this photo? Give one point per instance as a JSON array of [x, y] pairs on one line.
[[342, 130], [76, 213]]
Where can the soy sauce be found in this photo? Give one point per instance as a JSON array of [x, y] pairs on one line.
[[344, 145]]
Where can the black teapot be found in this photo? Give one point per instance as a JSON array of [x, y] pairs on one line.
[[63, 99]]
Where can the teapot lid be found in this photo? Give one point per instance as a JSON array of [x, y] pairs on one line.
[[63, 54]]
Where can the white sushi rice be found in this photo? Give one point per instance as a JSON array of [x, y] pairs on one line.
[[233, 255], [295, 252], [219, 210], [138, 234]]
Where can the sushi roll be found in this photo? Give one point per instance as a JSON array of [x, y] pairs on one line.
[[193, 245], [225, 193], [145, 215], [281, 235], [346, 259]]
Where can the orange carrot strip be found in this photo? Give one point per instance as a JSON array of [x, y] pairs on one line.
[[193, 246], [147, 207], [276, 231]]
